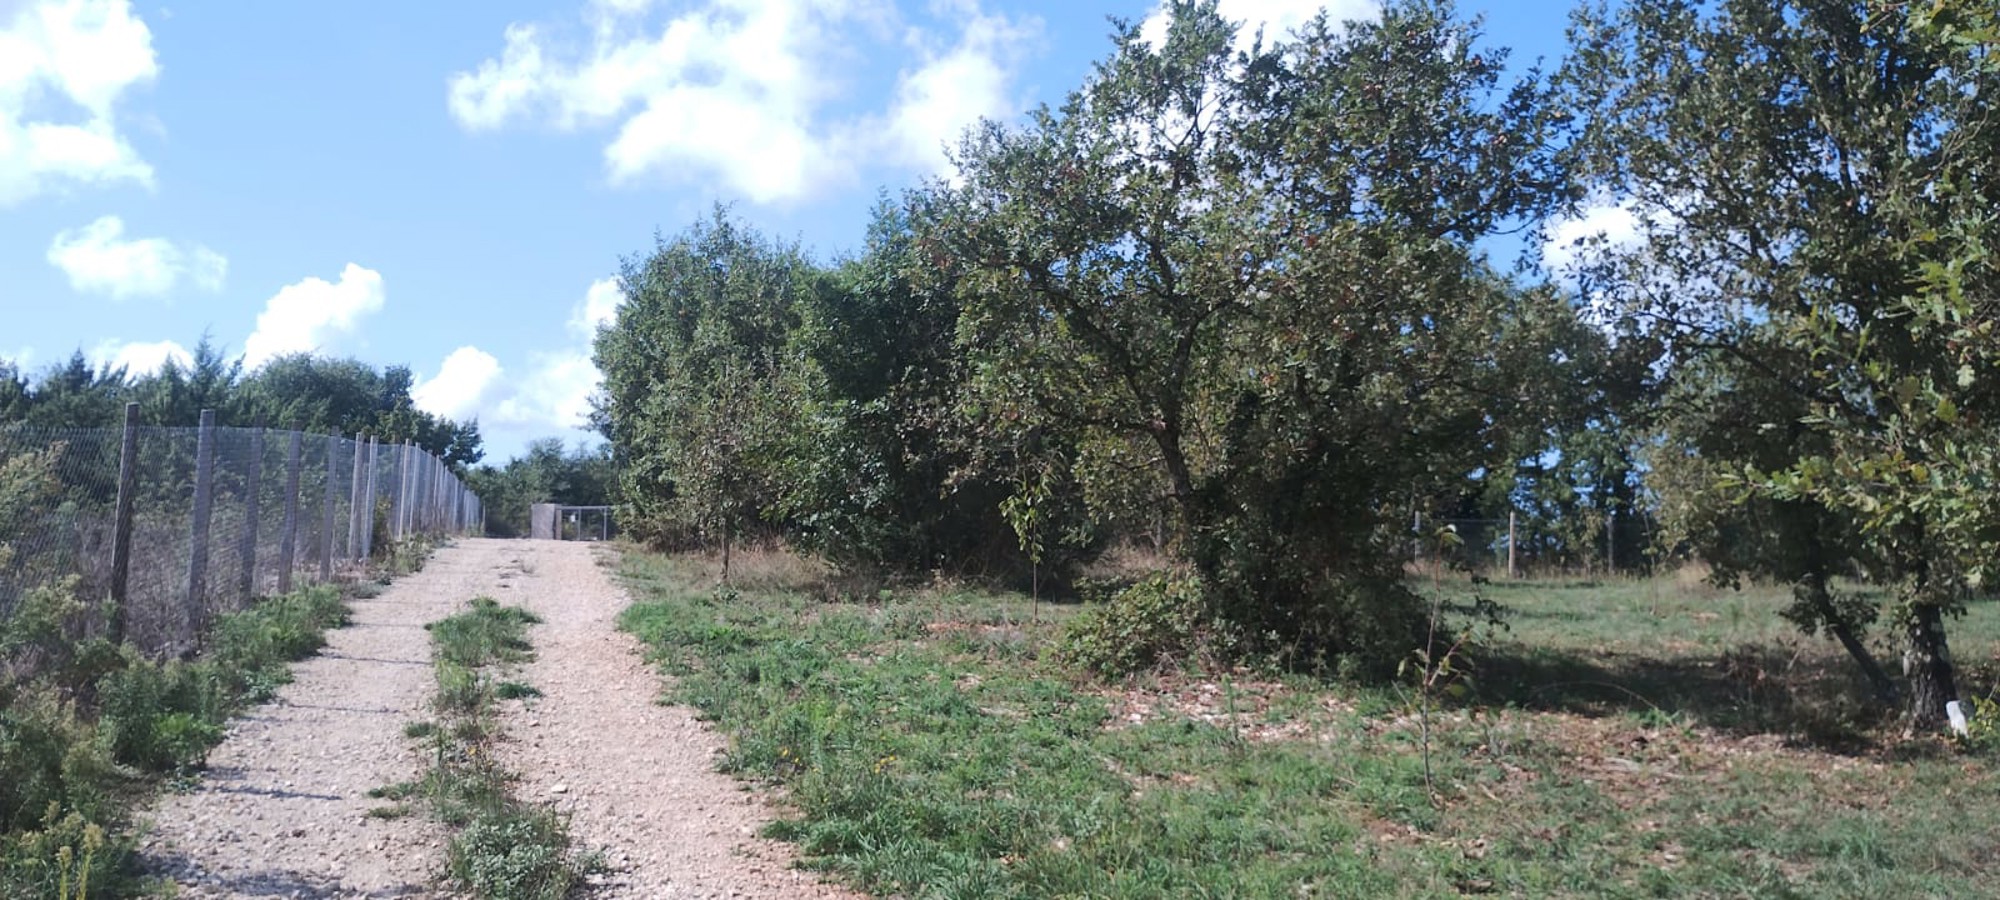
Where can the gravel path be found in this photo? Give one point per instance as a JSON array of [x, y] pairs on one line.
[[282, 810], [638, 779]]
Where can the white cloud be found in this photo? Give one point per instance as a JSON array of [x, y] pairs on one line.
[[952, 91], [556, 395], [141, 358], [63, 66], [302, 317], [550, 393], [599, 307], [463, 381], [99, 259], [1578, 239], [738, 90], [1277, 18]]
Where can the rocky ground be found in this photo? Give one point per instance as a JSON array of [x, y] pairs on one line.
[[283, 809]]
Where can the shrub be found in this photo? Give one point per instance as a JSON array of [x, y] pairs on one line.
[[161, 717], [278, 629], [49, 758], [489, 632], [1160, 619]]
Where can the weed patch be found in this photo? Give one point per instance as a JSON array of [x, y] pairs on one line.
[[502, 847], [87, 727]]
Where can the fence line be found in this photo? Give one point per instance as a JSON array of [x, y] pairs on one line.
[[174, 526], [1525, 545]]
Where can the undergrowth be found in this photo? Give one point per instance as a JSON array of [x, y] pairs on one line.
[[87, 727], [501, 847]]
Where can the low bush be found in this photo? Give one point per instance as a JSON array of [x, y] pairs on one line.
[[1161, 619], [488, 633]]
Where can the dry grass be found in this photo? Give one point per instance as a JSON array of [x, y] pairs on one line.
[[767, 567]]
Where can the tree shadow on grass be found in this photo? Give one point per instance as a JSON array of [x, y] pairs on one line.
[[1807, 698]]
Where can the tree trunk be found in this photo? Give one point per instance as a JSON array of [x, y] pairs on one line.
[[1822, 601], [725, 551], [1932, 681]]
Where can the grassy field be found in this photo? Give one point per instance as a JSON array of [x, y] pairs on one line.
[[1624, 738]]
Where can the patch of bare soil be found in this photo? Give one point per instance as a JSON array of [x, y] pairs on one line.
[[637, 778]]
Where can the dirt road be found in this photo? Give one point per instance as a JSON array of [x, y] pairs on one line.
[[283, 809]]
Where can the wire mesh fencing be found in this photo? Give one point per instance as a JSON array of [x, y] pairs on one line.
[[170, 527], [1520, 546]]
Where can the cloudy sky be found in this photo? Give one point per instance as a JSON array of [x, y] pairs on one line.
[[450, 186]]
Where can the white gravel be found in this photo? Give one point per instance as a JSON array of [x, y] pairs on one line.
[[637, 778], [282, 810]]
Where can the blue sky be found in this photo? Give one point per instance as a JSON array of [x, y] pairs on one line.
[[450, 186]]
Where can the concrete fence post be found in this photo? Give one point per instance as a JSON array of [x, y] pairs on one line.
[[1512, 570], [121, 526], [288, 543], [326, 524], [204, 509], [374, 451], [253, 485], [357, 498]]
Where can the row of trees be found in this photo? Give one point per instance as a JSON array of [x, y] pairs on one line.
[[298, 392], [546, 472], [1233, 299], [1236, 295]]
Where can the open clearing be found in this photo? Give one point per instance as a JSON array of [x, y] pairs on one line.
[[1625, 738], [283, 810]]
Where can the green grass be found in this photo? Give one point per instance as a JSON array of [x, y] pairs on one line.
[[1673, 648], [501, 847], [931, 747]]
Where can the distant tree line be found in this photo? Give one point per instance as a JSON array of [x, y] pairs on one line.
[[1234, 298], [298, 392], [546, 472]]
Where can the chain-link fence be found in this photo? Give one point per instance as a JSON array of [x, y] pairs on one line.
[[1524, 545], [170, 527]]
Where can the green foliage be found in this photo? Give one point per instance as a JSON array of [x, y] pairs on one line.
[[544, 473], [930, 749], [53, 758], [407, 555], [514, 690], [1982, 727], [61, 858], [1254, 278], [523, 856], [882, 475], [27, 483], [161, 717], [298, 392], [700, 378], [929, 755], [1162, 620], [485, 634], [1835, 334]]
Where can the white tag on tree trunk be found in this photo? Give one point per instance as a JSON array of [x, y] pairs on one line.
[[1956, 714]]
